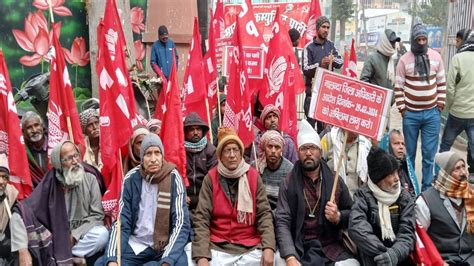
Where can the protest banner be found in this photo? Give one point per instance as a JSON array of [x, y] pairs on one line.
[[295, 15], [254, 60], [350, 104]]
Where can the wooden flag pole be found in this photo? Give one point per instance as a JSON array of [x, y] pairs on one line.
[[119, 221], [255, 156], [50, 11], [218, 103], [209, 118], [7, 207], [338, 168]]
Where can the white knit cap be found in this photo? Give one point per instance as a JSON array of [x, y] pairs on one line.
[[307, 134], [4, 162]]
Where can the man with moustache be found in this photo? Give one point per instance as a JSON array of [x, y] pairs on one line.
[[36, 142], [271, 164], [233, 222], [308, 224], [200, 157], [382, 220], [65, 209], [90, 127], [318, 53], [270, 117], [8, 196], [446, 211]]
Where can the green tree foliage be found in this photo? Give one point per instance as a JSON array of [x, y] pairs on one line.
[[342, 10], [434, 14]]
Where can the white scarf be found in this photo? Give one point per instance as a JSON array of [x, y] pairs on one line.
[[384, 200], [386, 48]]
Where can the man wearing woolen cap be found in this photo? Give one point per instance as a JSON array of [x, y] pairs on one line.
[[382, 220], [162, 53]]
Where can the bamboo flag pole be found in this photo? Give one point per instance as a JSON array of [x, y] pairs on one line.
[[209, 118], [218, 102], [338, 168], [119, 221], [255, 156]]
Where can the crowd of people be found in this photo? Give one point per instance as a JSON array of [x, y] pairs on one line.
[[275, 203]]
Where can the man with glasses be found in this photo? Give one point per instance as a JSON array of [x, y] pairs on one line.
[[65, 209], [233, 222], [308, 224]]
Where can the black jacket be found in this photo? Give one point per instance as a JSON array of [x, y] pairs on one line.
[[364, 226]]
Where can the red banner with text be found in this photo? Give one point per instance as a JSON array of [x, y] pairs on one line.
[[349, 103]]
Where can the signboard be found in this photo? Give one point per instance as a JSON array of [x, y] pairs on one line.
[[435, 37], [254, 59], [351, 104], [293, 14]]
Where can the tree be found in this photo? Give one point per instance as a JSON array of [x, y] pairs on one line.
[[341, 10], [434, 14]]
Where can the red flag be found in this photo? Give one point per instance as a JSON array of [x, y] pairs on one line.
[[117, 103], [172, 129], [349, 68], [63, 119], [238, 110], [218, 20], [195, 92], [425, 252], [210, 67], [289, 118], [11, 138], [280, 59], [314, 14]]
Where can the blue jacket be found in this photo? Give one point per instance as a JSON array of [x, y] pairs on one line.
[[162, 56], [129, 203]]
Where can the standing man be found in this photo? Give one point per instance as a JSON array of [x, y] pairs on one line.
[[162, 54], [154, 218], [271, 164], [233, 223], [36, 142], [446, 211], [90, 126], [379, 67], [382, 219], [318, 53], [200, 157], [460, 98], [420, 93], [308, 224]]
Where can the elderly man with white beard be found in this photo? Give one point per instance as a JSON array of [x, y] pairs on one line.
[[65, 209]]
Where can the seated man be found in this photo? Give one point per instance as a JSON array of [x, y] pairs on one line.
[[354, 166], [270, 117], [382, 220], [134, 144], [65, 209], [233, 221], [9, 194], [445, 210], [406, 172], [36, 141], [308, 224], [271, 164], [154, 218], [90, 126], [200, 157]]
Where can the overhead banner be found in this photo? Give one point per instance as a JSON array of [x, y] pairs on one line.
[[293, 14], [348, 103]]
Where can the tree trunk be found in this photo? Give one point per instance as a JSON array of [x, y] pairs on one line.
[[333, 20], [342, 32]]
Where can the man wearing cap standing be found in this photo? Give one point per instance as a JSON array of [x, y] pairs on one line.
[[321, 52], [90, 126], [420, 94], [154, 218], [162, 54], [379, 67], [270, 117], [8, 196], [446, 211], [308, 224], [382, 220], [65, 209], [200, 157], [233, 222]]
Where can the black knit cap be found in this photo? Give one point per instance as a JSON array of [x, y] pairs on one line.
[[380, 164], [162, 30]]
